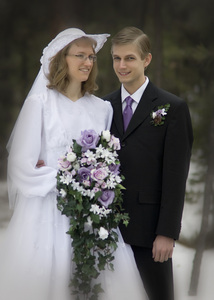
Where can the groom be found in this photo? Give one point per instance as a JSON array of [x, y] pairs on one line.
[[155, 155]]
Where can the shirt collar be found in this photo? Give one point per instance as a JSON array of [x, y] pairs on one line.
[[137, 95]]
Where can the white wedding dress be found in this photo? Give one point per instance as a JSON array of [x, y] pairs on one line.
[[36, 256]]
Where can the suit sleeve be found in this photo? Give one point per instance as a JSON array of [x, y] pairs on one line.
[[176, 160]]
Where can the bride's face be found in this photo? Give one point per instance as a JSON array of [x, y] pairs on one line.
[[80, 59]]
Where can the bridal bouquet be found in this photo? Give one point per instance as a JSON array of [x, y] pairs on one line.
[[89, 193]]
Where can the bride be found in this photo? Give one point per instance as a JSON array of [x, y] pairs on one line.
[[37, 254]]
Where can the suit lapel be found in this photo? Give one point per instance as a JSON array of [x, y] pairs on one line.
[[143, 109], [118, 116]]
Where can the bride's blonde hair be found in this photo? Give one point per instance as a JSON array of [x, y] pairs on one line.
[[58, 70]]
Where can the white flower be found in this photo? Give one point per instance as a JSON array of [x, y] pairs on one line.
[[92, 195], [103, 233], [107, 155], [89, 221], [95, 209], [66, 179], [63, 193], [75, 185], [99, 151], [106, 135], [90, 155], [153, 115], [105, 211], [71, 156], [111, 184], [80, 189], [88, 225], [76, 166], [89, 193], [118, 179], [163, 112]]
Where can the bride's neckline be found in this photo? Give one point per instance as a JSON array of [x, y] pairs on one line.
[[69, 99]]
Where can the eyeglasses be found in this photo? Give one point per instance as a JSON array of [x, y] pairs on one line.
[[83, 57]]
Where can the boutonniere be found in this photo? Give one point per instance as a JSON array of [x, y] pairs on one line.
[[158, 116]]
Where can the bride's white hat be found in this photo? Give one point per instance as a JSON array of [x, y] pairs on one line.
[[58, 43], [66, 37]]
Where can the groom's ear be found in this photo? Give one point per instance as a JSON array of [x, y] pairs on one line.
[[148, 59]]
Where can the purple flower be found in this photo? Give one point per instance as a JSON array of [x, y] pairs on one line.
[[64, 164], [114, 143], [158, 116], [96, 189], [99, 174], [107, 197], [86, 182], [114, 168], [84, 174], [88, 139]]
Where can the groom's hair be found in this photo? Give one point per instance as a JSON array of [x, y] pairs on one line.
[[133, 35]]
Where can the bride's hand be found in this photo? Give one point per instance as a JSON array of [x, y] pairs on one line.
[[162, 248], [40, 163]]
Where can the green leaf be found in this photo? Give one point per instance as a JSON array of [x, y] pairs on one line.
[[76, 147], [95, 218], [97, 195], [97, 289]]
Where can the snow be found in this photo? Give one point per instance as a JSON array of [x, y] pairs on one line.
[[182, 257], [182, 263]]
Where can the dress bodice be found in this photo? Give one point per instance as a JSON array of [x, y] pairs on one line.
[[46, 126], [64, 120]]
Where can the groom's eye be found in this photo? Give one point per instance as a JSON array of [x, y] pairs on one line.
[[130, 58], [116, 58]]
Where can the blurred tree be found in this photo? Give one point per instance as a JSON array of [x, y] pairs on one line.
[[190, 56], [208, 200]]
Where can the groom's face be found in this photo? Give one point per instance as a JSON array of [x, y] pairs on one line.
[[128, 65]]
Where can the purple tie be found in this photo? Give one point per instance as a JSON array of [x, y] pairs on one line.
[[127, 113]]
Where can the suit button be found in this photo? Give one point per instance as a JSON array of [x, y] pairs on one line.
[[123, 144]]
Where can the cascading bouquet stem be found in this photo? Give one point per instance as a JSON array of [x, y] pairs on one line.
[[90, 194]]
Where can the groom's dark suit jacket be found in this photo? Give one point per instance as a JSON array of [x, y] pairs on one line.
[[155, 163]]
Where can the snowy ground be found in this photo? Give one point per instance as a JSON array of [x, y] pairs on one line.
[[183, 256]]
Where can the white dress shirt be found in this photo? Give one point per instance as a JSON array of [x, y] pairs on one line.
[[136, 96]]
